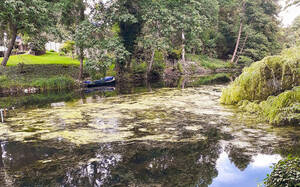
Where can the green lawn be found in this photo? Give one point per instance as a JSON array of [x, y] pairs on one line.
[[48, 58]]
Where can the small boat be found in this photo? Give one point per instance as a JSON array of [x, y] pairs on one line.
[[106, 81]]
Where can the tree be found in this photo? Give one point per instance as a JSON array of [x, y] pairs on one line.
[[292, 2], [73, 19], [26, 16], [254, 23], [190, 18]]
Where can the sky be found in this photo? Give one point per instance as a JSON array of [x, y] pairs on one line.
[[287, 16]]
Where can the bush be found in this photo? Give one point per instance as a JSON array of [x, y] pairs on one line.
[[286, 173], [245, 60], [175, 55], [3, 78], [54, 83], [52, 51], [139, 68], [68, 47]]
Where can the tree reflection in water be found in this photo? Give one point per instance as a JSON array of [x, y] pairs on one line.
[[113, 164]]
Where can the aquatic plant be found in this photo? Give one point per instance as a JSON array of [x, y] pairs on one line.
[[286, 173], [264, 78]]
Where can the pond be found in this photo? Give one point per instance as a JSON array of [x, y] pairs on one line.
[[142, 136]]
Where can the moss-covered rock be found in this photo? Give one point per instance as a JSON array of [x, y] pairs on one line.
[[264, 78], [286, 173]]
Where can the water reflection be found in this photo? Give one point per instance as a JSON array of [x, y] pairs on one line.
[[164, 137], [251, 175]]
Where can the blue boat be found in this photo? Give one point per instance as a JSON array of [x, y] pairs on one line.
[[106, 81]]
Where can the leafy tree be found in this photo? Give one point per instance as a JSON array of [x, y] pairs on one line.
[[291, 34], [26, 16], [74, 20], [255, 29]]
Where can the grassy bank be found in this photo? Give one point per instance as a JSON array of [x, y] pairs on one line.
[[46, 72], [269, 88], [48, 58], [207, 62]]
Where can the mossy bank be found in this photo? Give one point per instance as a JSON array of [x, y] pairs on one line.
[[270, 88]]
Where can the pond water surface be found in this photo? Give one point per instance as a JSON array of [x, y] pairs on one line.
[[147, 137]]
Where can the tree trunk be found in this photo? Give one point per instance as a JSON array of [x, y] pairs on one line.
[[81, 58], [10, 45], [242, 49], [183, 46], [237, 42], [150, 64]]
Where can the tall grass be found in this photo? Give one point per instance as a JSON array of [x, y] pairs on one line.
[[207, 62], [54, 83]]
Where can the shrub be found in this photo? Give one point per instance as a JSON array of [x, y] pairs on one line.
[[139, 68], [52, 51], [68, 47], [175, 55], [286, 173], [245, 60], [3, 78], [54, 83]]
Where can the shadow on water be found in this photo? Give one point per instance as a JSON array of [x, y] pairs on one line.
[[138, 136]]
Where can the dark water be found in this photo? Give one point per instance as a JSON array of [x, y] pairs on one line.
[[142, 136]]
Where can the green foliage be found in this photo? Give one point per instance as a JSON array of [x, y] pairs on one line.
[[286, 173], [269, 76], [245, 60], [175, 54], [260, 24], [29, 17], [139, 68], [207, 62], [291, 34], [97, 67], [180, 68], [37, 42], [3, 79], [283, 109], [68, 47], [159, 64], [54, 83], [211, 79]]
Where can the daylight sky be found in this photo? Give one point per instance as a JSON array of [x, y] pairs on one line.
[[287, 16]]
